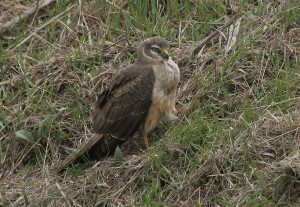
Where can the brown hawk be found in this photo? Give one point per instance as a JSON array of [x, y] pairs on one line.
[[139, 97]]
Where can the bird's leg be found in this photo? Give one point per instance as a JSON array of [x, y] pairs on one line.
[[146, 140]]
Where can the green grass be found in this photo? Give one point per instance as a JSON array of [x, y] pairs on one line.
[[238, 119]]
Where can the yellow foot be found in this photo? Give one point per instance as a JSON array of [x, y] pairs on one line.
[[146, 140]]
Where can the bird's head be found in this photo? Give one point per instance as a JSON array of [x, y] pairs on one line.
[[154, 49]]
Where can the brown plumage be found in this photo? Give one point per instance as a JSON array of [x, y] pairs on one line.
[[139, 97]]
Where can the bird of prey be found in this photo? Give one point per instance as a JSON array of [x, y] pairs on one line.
[[138, 97]]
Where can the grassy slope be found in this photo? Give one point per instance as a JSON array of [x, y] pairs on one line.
[[237, 138]]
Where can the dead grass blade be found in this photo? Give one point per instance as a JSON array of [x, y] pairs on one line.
[[6, 26], [233, 33], [197, 48], [32, 33]]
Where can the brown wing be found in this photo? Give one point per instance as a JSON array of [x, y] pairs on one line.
[[124, 105]]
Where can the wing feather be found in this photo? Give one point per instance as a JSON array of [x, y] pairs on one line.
[[124, 105]]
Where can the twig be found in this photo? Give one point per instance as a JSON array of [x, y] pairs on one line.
[[197, 49], [6, 26]]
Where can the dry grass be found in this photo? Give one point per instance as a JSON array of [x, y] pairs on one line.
[[236, 142]]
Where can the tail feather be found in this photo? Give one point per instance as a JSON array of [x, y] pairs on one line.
[[98, 146]]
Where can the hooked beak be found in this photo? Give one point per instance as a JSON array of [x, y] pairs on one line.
[[165, 54]]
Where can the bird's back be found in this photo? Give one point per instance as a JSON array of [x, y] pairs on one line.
[[121, 108]]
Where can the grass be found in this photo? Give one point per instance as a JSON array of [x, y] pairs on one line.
[[235, 142]]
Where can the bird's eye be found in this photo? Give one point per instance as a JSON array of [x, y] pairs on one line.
[[155, 49]]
